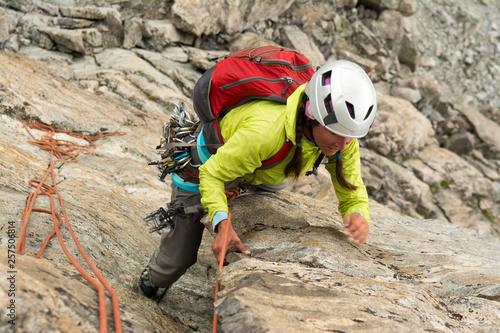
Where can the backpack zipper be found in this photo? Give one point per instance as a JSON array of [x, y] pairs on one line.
[[283, 62], [260, 78], [259, 58]]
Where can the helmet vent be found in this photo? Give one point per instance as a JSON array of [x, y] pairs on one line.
[[330, 118], [326, 78], [350, 108], [369, 112], [328, 104]]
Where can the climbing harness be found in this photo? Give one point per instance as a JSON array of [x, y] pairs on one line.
[[179, 135]]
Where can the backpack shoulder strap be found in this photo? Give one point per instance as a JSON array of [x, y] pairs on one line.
[[278, 157]]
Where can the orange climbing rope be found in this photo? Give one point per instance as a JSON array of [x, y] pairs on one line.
[[66, 151], [221, 264], [231, 193]]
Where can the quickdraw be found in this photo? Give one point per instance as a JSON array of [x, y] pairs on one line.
[[178, 138]]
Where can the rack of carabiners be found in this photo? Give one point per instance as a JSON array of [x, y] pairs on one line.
[[178, 138]]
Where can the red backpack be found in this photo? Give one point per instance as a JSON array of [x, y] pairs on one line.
[[267, 72]]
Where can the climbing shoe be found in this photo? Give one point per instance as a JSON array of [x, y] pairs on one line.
[[148, 289]]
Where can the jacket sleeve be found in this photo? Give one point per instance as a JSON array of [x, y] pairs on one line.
[[350, 201], [239, 156]]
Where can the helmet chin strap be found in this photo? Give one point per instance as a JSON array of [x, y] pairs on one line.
[[310, 123]]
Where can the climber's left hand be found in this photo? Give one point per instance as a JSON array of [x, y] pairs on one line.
[[357, 228]]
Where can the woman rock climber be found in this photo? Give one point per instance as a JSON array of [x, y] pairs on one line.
[[324, 116]]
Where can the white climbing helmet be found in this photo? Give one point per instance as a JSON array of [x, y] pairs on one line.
[[342, 99]]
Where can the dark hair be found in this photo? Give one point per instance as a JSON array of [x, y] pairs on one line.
[[295, 165], [339, 173]]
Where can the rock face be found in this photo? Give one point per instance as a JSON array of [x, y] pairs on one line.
[[411, 276], [430, 163], [111, 231]]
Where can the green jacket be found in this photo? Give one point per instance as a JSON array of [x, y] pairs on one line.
[[255, 132]]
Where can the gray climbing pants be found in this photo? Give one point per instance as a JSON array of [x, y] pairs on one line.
[[178, 248]]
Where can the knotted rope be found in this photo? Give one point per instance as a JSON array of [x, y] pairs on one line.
[[66, 151]]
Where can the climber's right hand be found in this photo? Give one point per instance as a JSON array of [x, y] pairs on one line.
[[232, 240]]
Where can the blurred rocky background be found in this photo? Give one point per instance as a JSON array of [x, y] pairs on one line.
[[431, 165]]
